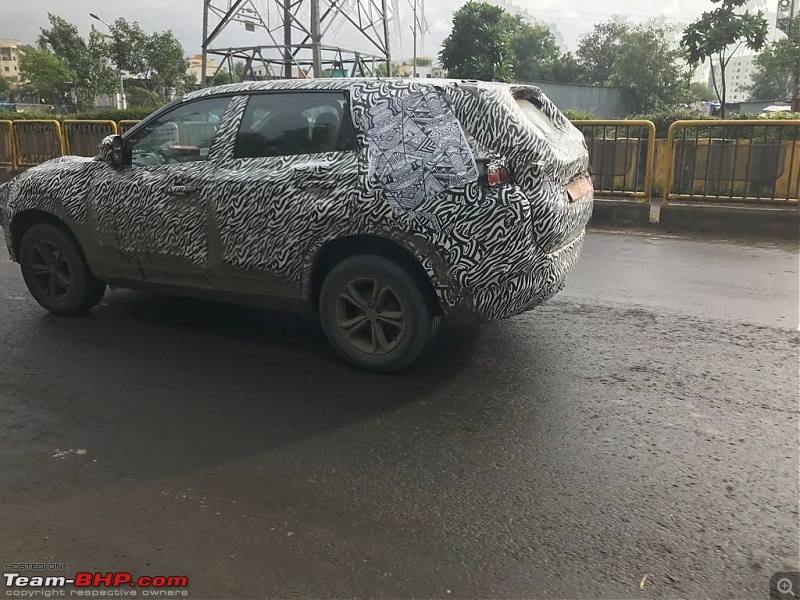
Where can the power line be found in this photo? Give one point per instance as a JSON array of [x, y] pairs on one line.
[[568, 15]]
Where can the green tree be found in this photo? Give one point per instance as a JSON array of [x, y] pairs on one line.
[[46, 76], [777, 66], [424, 62], [92, 75], [239, 68], [479, 45], [567, 70], [718, 34], [142, 98], [5, 88], [156, 59], [650, 72], [222, 77], [534, 49], [598, 50], [700, 92]]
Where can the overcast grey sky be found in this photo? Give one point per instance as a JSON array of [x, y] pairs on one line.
[[22, 18]]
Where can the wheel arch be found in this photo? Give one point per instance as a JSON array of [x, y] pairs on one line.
[[26, 219], [338, 249]]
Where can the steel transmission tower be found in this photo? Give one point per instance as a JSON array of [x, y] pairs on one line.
[[296, 36]]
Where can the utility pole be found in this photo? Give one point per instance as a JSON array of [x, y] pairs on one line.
[[316, 53], [386, 37], [794, 37], [287, 39], [204, 59], [123, 104], [414, 33]]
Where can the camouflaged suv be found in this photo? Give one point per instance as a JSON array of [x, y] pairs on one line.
[[385, 205]]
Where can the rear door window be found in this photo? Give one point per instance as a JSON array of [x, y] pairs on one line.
[[294, 123]]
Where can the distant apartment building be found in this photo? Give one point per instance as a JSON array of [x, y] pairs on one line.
[[738, 78], [9, 61], [741, 68], [196, 67], [406, 69]]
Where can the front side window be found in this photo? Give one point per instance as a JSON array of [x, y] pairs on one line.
[[292, 123], [184, 134]]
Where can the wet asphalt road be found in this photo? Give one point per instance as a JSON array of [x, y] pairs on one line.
[[645, 421]]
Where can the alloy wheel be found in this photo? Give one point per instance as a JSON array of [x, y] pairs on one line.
[[370, 315], [50, 270]]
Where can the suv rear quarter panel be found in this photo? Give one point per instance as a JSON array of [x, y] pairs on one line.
[[542, 164]]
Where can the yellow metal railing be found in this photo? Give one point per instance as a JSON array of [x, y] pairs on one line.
[[7, 153], [754, 160], [125, 125], [37, 141], [740, 160], [82, 137], [621, 156]]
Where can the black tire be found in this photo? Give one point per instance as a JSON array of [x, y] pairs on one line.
[[56, 272], [371, 287]]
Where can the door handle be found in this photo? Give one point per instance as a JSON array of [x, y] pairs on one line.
[[318, 172], [181, 190]]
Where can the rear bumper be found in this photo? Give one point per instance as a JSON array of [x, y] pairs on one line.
[[521, 292]]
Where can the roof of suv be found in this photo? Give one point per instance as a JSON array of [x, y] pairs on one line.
[[332, 84]]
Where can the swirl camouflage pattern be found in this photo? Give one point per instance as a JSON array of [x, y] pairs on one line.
[[236, 219]]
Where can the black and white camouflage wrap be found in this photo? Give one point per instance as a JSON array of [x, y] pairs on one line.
[[490, 252]]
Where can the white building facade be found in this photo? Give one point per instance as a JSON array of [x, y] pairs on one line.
[[738, 77]]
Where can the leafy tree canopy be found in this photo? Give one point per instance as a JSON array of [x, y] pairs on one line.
[[718, 34], [534, 49], [650, 72], [91, 73], [700, 92], [479, 46], [156, 59], [46, 76], [598, 50], [776, 67]]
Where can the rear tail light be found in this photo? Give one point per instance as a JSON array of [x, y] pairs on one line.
[[493, 174], [497, 176]]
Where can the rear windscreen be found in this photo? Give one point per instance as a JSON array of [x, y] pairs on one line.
[[537, 117]]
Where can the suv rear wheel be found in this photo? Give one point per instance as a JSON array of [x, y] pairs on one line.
[[374, 314], [56, 273]]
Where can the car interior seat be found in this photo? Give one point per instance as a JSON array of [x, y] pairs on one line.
[[325, 135]]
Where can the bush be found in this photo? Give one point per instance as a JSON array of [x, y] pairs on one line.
[[112, 114], [109, 114], [780, 116], [663, 120], [574, 114]]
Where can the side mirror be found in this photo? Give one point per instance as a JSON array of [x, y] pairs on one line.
[[111, 150]]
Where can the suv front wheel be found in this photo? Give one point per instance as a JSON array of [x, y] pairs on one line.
[[374, 314], [56, 273]]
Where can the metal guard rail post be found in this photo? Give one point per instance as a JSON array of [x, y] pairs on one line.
[[78, 124], [7, 131], [22, 123], [792, 185], [650, 154]]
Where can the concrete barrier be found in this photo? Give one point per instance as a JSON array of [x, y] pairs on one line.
[[626, 213], [765, 221]]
